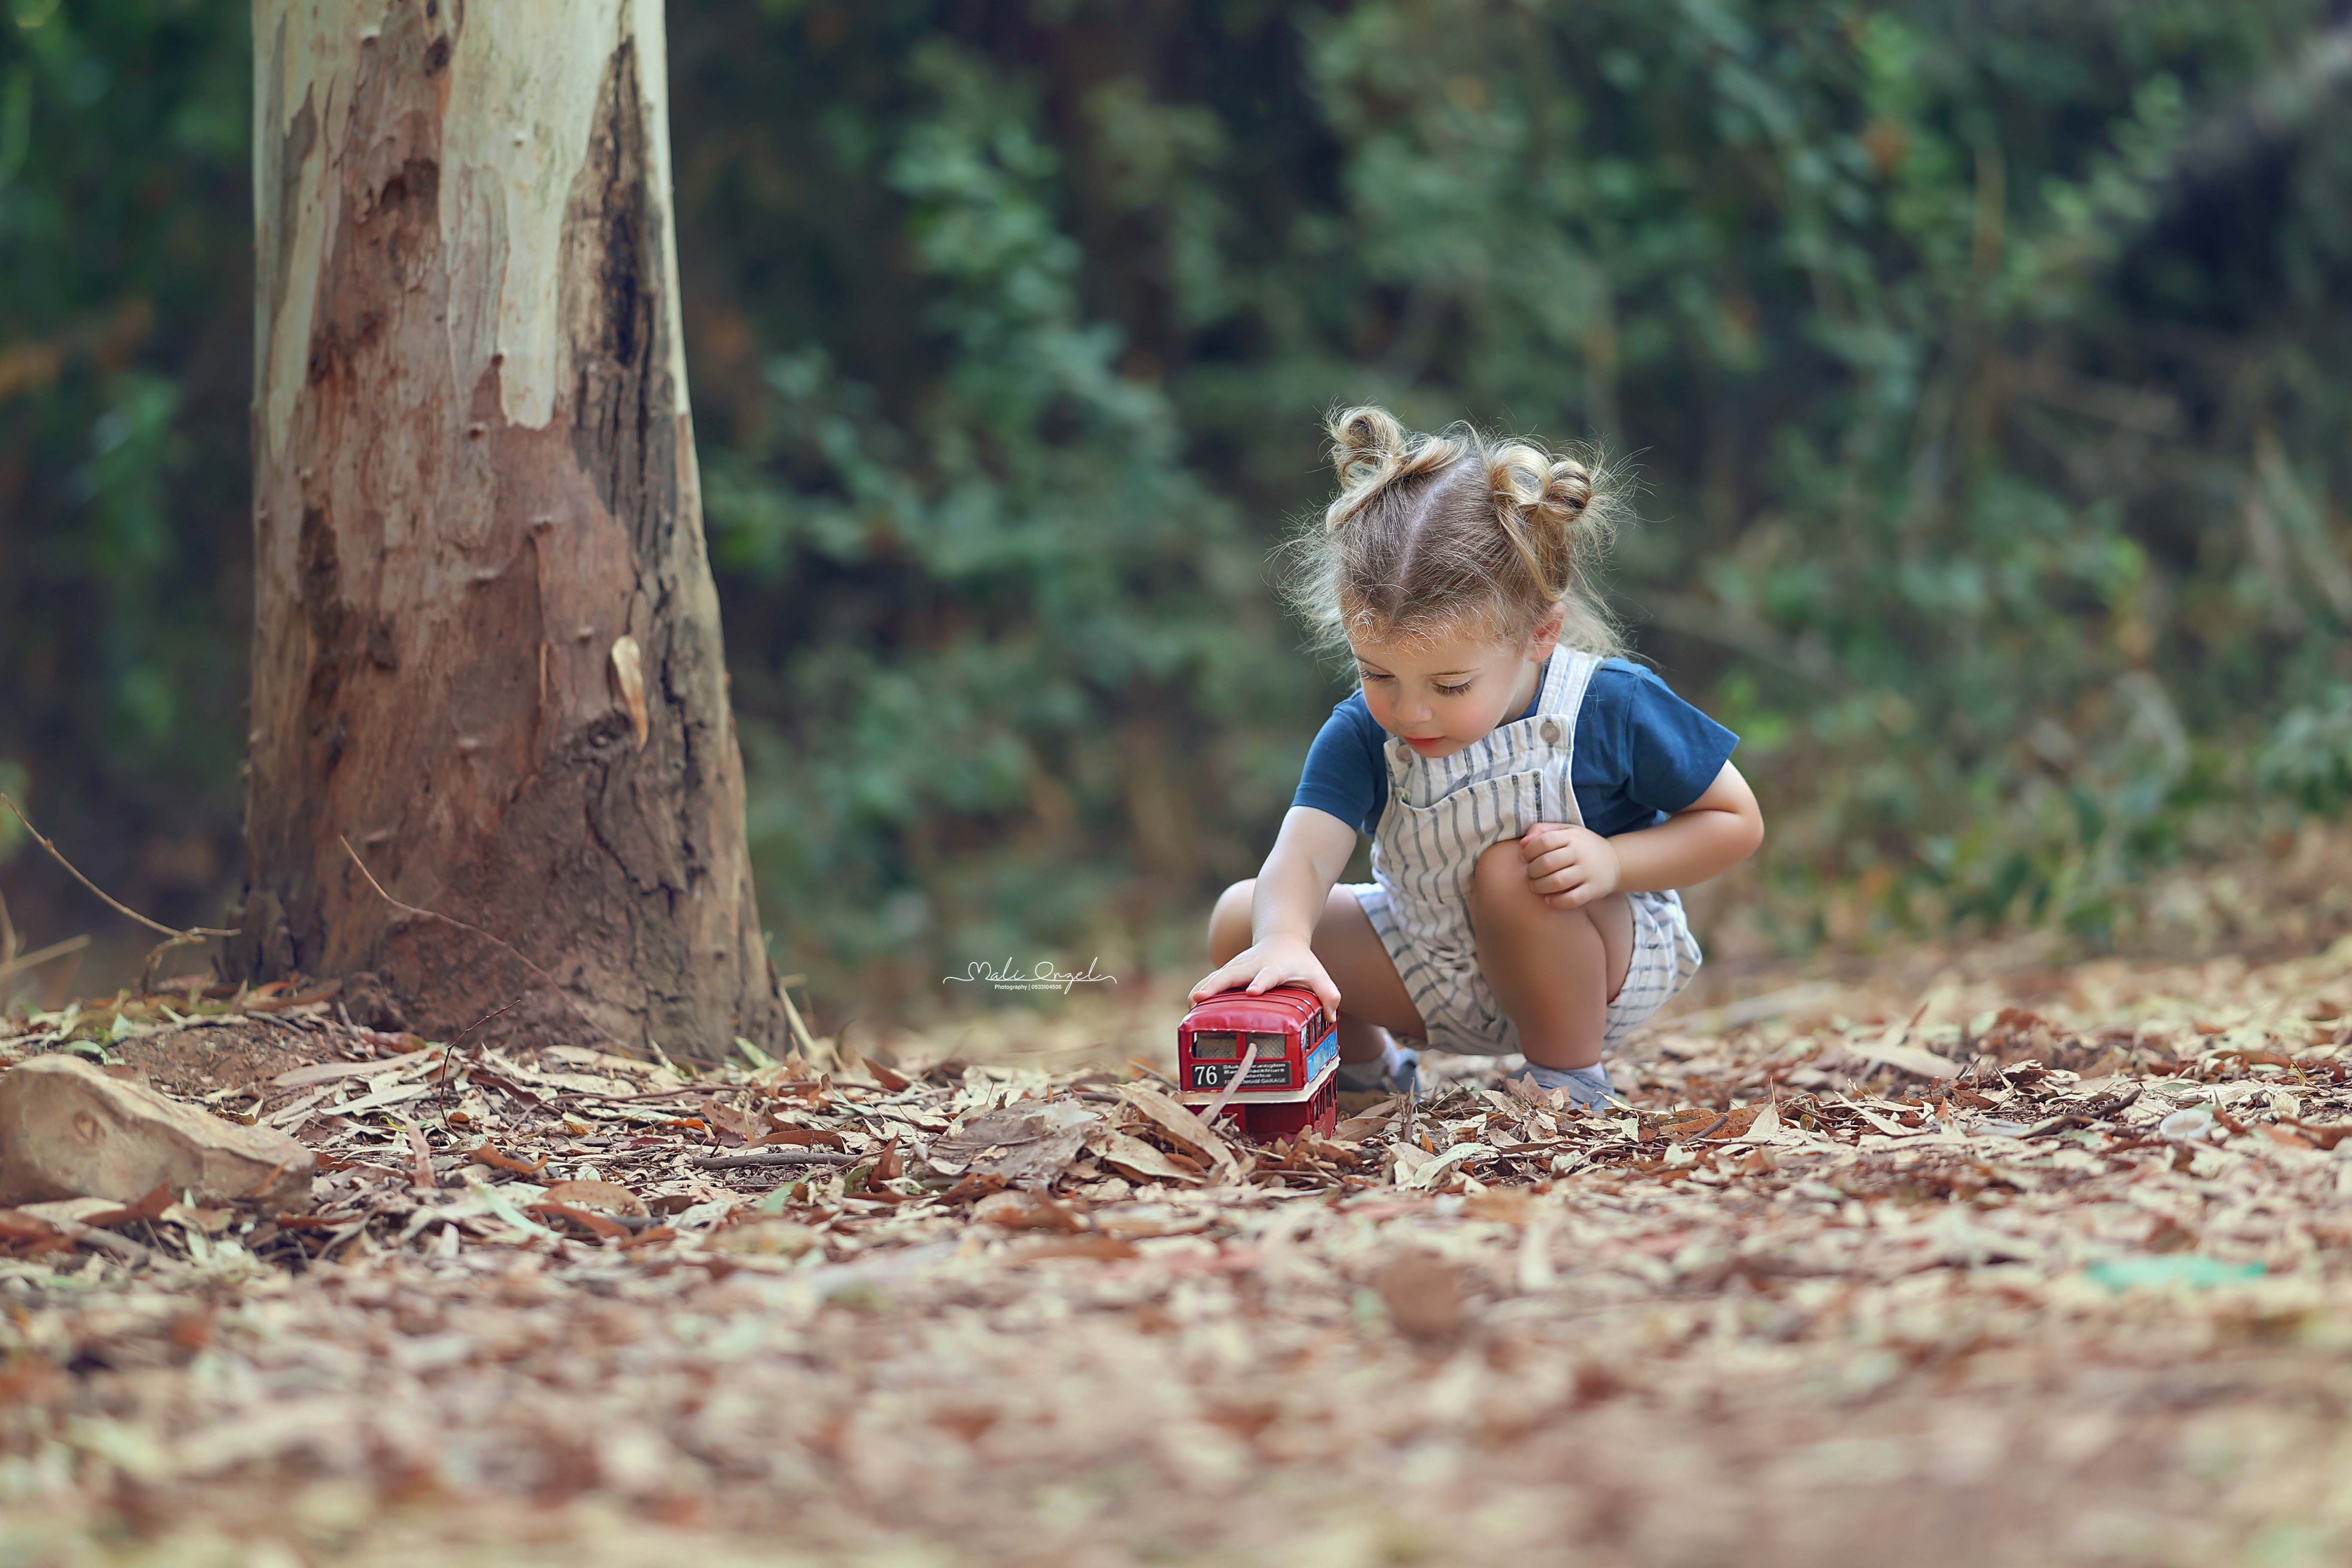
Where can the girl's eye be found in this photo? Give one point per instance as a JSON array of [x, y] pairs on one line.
[[1371, 676], [1456, 691]]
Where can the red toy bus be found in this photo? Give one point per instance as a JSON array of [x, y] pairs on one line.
[[1291, 1051]]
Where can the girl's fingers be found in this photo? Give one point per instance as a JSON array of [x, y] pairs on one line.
[[1256, 976], [1221, 979], [1563, 855], [1573, 895], [1274, 975]]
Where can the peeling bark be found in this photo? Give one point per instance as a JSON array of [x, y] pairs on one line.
[[487, 645]]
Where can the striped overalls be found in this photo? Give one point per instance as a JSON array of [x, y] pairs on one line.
[[1441, 814]]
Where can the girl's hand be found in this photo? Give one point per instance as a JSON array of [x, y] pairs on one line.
[[1265, 965], [1569, 866]]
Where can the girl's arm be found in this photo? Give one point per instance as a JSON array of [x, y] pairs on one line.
[[1573, 866], [1308, 855]]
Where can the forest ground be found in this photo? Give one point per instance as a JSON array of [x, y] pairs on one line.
[[1953, 1256]]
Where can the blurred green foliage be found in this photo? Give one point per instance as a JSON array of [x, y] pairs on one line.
[[1984, 366], [126, 238]]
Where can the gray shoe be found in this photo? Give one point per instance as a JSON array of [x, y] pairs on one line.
[[1397, 1072], [1587, 1086]]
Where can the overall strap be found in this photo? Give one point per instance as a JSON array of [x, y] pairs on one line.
[[1570, 677], [1564, 684]]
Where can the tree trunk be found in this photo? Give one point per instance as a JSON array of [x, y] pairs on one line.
[[487, 645]]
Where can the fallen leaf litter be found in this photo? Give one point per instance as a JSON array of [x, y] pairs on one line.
[[2064, 1282]]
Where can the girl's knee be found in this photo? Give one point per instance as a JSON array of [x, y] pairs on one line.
[[1499, 864], [1229, 922], [1500, 890], [1499, 884]]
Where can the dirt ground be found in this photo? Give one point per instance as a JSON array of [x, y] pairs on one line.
[[1957, 1258]]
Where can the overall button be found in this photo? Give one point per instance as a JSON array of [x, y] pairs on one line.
[[1549, 730], [1401, 749]]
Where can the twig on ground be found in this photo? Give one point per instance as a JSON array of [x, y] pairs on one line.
[[624, 1099], [155, 955], [773, 1157], [448, 1051], [40, 956], [111, 902], [173, 938]]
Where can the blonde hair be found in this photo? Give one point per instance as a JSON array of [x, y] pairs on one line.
[[1452, 534]]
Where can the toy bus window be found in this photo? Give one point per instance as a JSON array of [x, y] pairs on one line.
[[1271, 1047], [1211, 1046]]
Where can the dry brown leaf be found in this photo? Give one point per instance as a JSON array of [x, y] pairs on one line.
[[597, 1196], [597, 1224], [1027, 1144], [151, 1206], [490, 1154], [1763, 1126], [767, 1238], [1904, 1058], [1025, 1211], [1133, 1157], [1179, 1123], [1423, 1297], [855, 1067], [1508, 1205], [16, 1225], [804, 1138], [1102, 1248], [747, 1125]]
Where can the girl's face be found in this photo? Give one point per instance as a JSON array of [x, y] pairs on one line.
[[1440, 694]]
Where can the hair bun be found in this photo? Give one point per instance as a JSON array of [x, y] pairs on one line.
[[1544, 489], [1367, 450], [1570, 486], [1367, 444]]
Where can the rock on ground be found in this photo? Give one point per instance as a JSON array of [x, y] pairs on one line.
[[67, 1130]]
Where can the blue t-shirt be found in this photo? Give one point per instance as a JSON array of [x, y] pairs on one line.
[[1642, 755]]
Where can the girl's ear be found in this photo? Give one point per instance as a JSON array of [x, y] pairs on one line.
[[1545, 636]]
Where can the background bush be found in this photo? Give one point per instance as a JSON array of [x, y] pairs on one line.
[[1984, 364]]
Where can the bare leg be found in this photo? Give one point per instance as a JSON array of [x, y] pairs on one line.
[[1554, 970], [1372, 999]]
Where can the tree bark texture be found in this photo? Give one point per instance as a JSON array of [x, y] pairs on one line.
[[487, 644]]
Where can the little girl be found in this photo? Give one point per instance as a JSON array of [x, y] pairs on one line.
[[1533, 800]]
